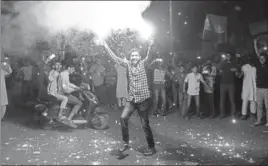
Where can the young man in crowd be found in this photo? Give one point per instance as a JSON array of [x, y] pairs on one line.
[[122, 85], [193, 79], [262, 84], [227, 85], [209, 96], [177, 87], [53, 89], [159, 86], [67, 88], [177, 84], [262, 88], [5, 70], [138, 96], [249, 88]]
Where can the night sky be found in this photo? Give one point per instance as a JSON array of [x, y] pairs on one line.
[[188, 36]]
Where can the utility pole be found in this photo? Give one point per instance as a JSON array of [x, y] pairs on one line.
[[171, 27]]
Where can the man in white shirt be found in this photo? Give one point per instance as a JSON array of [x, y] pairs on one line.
[[193, 79], [52, 88], [66, 88]]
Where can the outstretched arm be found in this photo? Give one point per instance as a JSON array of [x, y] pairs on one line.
[[150, 64], [149, 53], [256, 48], [113, 56]]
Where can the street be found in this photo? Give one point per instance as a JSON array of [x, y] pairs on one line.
[[178, 142]]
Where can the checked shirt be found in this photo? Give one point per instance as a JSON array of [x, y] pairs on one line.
[[137, 83]]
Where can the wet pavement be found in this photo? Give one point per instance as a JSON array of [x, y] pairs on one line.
[[178, 142]]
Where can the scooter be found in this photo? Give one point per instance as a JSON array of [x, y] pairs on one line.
[[89, 116]]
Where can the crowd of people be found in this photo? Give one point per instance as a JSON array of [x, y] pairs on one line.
[[151, 86]]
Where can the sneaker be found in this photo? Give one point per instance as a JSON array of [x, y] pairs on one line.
[[51, 122], [257, 123], [212, 116], [126, 147], [62, 117], [198, 115], [155, 113], [149, 152], [244, 117]]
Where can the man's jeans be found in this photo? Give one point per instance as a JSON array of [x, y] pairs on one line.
[[76, 102], [177, 94], [262, 98], [196, 98], [230, 90], [143, 111], [162, 92]]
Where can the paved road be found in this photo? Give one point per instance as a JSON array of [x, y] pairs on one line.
[[178, 142]]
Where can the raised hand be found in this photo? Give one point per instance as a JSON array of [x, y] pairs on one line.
[[151, 41], [102, 43]]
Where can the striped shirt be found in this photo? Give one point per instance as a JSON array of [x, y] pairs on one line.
[[159, 76]]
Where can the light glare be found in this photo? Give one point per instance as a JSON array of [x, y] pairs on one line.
[[98, 16]]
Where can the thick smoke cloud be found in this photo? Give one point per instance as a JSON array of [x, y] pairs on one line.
[[38, 21], [20, 29]]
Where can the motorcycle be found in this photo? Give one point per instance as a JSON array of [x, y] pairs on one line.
[[90, 114]]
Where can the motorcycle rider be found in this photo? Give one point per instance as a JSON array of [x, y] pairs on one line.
[[67, 88], [53, 89]]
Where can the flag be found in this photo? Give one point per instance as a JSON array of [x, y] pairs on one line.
[[215, 28], [258, 27]]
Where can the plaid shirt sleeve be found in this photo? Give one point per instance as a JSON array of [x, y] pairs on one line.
[[148, 56], [116, 59]]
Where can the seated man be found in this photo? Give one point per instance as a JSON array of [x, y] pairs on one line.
[[53, 89], [67, 88]]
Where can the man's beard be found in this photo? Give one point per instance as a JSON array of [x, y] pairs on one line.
[[134, 62]]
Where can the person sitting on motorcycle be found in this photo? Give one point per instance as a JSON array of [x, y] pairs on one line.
[[53, 89], [67, 88]]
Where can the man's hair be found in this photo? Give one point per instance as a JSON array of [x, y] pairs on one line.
[[263, 54], [194, 65], [69, 65], [133, 50]]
